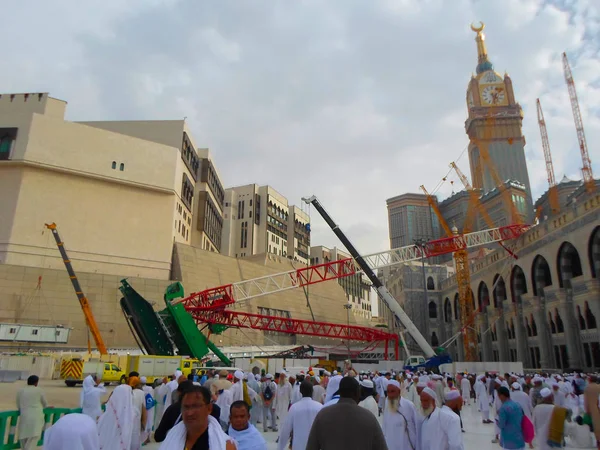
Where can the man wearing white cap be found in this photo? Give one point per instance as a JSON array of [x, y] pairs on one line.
[[440, 429], [150, 409], [542, 416], [284, 395], [367, 399], [518, 396], [399, 420], [268, 394], [465, 387], [560, 399], [483, 401]]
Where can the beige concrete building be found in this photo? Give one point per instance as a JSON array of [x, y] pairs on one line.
[[120, 192], [357, 287], [258, 219]]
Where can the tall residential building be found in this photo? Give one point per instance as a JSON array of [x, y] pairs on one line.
[[495, 120], [259, 220], [409, 218], [357, 286], [455, 210], [146, 176]]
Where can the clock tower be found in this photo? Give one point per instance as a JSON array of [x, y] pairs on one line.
[[495, 121]]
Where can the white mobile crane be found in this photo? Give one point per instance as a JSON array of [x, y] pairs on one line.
[[410, 253]]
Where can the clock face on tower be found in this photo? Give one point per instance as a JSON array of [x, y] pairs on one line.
[[493, 95]]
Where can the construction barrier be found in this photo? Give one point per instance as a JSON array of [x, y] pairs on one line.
[[9, 420]]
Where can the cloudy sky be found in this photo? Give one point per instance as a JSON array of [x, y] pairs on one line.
[[354, 101]]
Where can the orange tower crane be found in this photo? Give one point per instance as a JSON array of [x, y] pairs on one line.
[[588, 176], [463, 280], [552, 191]]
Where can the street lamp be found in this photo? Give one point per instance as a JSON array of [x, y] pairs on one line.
[[348, 307]]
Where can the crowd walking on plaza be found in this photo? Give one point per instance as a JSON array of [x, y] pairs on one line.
[[308, 411]]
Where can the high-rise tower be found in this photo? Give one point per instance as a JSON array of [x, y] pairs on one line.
[[496, 119]]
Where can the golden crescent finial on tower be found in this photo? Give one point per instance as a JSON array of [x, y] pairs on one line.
[[478, 29]]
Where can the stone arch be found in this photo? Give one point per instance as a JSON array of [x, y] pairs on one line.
[[560, 326], [447, 311], [456, 307], [540, 274], [594, 252], [499, 293], [580, 318], [430, 284], [590, 319], [534, 331], [432, 310], [568, 264], [518, 284], [483, 296], [435, 342]]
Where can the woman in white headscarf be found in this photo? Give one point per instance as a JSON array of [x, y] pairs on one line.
[[73, 431], [115, 426], [90, 400]]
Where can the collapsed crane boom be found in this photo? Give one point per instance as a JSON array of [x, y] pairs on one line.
[[588, 176], [83, 301]]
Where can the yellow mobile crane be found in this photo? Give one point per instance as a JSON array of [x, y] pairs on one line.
[[83, 301]]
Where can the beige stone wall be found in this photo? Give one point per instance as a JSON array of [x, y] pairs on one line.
[[55, 303]]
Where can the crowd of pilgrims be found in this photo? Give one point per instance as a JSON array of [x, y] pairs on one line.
[[369, 410]]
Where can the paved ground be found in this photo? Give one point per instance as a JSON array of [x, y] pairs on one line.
[[477, 436]]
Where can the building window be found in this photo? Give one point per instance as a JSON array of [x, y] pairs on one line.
[[12, 331], [57, 333], [114, 164], [34, 332], [187, 192], [8, 137], [122, 167]]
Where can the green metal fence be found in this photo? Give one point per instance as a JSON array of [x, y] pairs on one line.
[[9, 420]]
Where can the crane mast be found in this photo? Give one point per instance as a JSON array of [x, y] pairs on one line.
[[463, 281], [588, 176], [83, 301], [552, 190]]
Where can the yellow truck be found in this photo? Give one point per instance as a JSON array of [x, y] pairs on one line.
[[157, 367], [74, 370]]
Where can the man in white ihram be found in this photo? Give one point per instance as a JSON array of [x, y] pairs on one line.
[[284, 395], [299, 419], [465, 388], [399, 420], [483, 400], [440, 429]]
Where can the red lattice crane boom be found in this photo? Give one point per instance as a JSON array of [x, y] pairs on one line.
[[552, 190], [588, 176], [217, 305]]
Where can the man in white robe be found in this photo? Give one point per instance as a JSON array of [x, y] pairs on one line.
[[483, 400], [368, 402], [439, 389], [542, 415], [296, 395], [72, 431], [560, 399], [150, 404], [172, 385], [246, 436], [160, 395], [224, 401], [90, 399], [518, 396], [318, 391], [197, 425], [465, 388], [31, 402], [440, 429], [400, 420], [332, 387], [237, 390], [299, 420], [284, 395], [115, 426]]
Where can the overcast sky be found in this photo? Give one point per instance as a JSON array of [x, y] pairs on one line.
[[353, 101]]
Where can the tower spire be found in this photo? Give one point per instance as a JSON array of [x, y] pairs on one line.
[[483, 63]]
